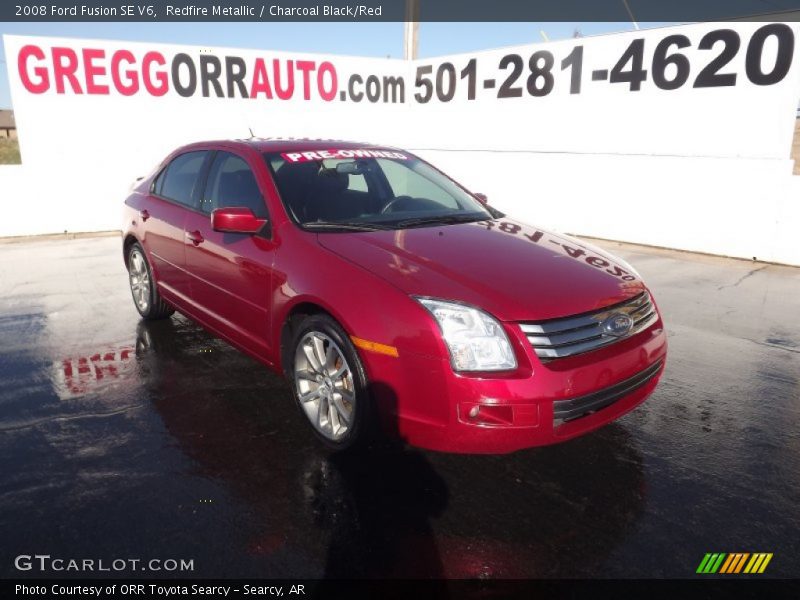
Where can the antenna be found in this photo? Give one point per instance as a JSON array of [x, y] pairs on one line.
[[252, 135]]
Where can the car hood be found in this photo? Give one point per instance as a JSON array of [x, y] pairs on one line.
[[513, 271]]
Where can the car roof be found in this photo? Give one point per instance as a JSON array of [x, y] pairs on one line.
[[287, 144]]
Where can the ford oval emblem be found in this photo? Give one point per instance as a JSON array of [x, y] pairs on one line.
[[618, 325]]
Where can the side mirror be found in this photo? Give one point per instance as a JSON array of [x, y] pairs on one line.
[[482, 198], [236, 220]]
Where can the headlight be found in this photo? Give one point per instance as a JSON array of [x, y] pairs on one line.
[[476, 341]]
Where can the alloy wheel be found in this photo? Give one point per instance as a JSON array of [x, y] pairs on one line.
[[324, 385], [139, 280]]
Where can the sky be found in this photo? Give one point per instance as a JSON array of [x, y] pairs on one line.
[[355, 39]]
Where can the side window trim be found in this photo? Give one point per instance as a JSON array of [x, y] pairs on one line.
[[198, 194], [218, 154], [158, 180]]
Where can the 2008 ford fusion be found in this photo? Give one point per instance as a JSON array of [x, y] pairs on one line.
[[392, 297]]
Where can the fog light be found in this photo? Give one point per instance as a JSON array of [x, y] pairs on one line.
[[487, 414]]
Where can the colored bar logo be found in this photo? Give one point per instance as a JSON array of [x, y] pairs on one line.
[[734, 563]]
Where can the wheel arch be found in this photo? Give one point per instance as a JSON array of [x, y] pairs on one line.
[[295, 315], [127, 242]]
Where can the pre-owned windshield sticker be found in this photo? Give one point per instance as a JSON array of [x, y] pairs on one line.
[[312, 155]]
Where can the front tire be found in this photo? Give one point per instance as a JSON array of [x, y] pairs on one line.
[[330, 385], [143, 287]]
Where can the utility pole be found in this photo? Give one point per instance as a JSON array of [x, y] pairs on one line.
[[630, 14], [411, 30]]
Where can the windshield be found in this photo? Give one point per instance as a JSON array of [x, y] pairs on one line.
[[368, 189]]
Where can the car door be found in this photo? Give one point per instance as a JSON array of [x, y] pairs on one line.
[[230, 272], [173, 196]]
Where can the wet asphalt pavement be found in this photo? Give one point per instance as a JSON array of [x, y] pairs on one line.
[[121, 439]]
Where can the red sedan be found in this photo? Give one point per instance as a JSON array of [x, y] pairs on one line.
[[390, 295]]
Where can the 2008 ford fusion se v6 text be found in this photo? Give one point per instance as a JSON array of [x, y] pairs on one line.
[[390, 296]]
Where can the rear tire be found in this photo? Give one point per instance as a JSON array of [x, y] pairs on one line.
[[145, 294], [329, 383]]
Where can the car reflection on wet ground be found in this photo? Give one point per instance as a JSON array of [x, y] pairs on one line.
[[155, 440]]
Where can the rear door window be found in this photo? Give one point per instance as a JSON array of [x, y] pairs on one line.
[[179, 180]]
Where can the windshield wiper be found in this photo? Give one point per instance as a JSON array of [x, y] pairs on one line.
[[344, 226], [440, 220]]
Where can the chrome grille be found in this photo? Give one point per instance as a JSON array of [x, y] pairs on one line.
[[558, 338]]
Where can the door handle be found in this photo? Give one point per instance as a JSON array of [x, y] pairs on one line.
[[144, 215], [195, 237]]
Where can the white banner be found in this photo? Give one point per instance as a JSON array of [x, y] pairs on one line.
[[525, 124]]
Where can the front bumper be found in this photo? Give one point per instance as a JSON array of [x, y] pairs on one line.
[[428, 405]]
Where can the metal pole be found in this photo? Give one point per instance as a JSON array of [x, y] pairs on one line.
[[411, 30], [630, 14]]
